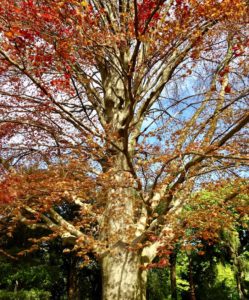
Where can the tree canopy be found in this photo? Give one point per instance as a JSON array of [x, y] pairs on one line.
[[122, 109]]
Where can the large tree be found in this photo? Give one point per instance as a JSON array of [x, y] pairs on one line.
[[123, 107]]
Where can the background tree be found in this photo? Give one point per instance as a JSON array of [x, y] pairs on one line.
[[36, 275], [216, 238], [124, 107], [46, 273]]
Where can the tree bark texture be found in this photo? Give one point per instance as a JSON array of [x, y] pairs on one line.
[[122, 276]]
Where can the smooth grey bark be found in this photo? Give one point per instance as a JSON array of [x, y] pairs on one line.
[[122, 277]]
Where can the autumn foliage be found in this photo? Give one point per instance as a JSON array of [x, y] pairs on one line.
[[123, 109]]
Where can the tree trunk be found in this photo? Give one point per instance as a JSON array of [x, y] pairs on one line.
[[73, 291], [234, 246], [173, 276], [122, 276], [239, 278], [191, 281]]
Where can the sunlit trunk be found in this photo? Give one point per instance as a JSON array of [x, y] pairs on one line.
[[122, 276]]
